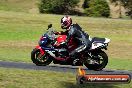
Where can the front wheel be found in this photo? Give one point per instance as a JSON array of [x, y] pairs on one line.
[[40, 60], [101, 60]]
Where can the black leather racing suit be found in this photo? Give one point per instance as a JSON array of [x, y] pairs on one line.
[[75, 31]]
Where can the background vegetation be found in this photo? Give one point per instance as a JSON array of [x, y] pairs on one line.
[[58, 6], [66, 6], [97, 8]]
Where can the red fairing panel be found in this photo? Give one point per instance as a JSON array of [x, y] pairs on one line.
[[61, 39], [41, 50]]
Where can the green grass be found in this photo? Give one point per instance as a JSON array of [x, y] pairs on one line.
[[28, 6], [119, 64], [20, 32], [16, 78]]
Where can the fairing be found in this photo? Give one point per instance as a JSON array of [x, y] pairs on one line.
[[41, 50]]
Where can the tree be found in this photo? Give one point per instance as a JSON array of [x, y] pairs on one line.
[[85, 4], [98, 8], [57, 6]]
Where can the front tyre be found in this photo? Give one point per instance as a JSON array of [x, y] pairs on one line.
[[101, 58], [40, 60]]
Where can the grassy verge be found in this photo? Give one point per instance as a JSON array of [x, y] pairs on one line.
[[28, 6], [15, 78], [19, 33]]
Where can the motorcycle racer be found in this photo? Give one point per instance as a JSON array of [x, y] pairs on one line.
[[72, 31], [75, 31]]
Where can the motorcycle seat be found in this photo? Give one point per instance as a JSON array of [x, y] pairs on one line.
[[98, 40]]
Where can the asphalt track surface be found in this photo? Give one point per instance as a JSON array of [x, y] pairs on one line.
[[58, 68]]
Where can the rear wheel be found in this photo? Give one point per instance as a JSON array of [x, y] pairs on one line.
[[40, 60], [99, 62]]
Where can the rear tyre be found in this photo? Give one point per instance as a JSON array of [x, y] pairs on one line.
[[40, 60], [102, 57]]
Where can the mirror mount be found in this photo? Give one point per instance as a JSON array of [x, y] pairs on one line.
[[49, 26]]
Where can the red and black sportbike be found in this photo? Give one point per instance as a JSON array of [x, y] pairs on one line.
[[56, 50]]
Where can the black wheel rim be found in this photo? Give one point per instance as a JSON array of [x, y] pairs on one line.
[[41, 58], [97, 62]]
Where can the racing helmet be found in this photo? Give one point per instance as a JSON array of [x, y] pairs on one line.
[[66, 22]]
